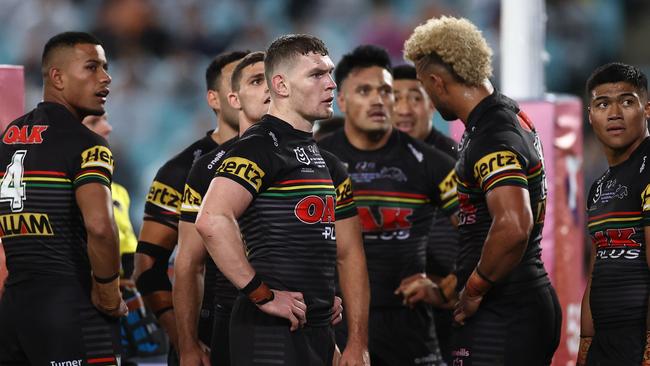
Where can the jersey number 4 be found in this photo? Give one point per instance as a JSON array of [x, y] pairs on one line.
[[12, 187]]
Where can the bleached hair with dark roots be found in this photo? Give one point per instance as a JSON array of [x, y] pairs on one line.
[[455, 41]]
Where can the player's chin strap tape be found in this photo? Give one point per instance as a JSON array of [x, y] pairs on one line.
[[154, 278]]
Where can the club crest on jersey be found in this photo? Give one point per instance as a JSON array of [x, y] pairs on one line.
[[22, 135], [97, 156], [243, 168], [494, 163], [22, 224], [301, 155], [314, 209]]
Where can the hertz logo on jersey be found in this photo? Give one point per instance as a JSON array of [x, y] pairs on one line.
[[97, 156], [191, 200], [245, 169], [495, 163], [164, 197], [344, 190], [25, 224], [645, 197], [448, 186]]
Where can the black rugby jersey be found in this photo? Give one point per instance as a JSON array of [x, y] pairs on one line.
[[45, 156], [289, 226], [163, 203], [396, 188], [500, 147], [217, 288], [619, 208], [443, 237]]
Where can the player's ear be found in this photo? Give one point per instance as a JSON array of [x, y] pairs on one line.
[[56, 77], [279, 85], [212, 97], [233, 100], [646, 110], [340, 101]]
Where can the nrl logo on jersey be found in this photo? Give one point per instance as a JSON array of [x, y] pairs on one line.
[[301, 155]]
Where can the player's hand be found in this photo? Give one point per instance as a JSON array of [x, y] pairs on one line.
[[337, 311], [195, 354], [466, 307], [106, 297], [288, 305], [419, 287], [583, 350], [336, 360], [355, 354]]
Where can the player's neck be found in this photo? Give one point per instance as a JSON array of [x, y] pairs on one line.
[[291, 117], [618, 156], [56, 98], [223, 132], [366, 141], [470, 98], [244, 123]]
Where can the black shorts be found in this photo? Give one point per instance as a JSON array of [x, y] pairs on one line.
[[403, 336], [619, 346], [259, 339], [522, 329], [206, 321], [443, 319], [51, 321], [220, 341]]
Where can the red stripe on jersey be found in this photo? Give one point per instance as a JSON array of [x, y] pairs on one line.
[[100, 360], [618, 213], [294, 181], [389, 194], [40, 172]]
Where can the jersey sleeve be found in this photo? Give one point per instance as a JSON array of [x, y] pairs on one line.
[[645, 200], [442, 173], [121, 203], [93, 163], [163, 202], [345, 206], [252, 163], [196, 186], [496, 161]]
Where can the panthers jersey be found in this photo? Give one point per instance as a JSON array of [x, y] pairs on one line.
[[45, 156], [396, 189], [619, 210], [166, 192], [289, 226], [500, 147], [217, 287]]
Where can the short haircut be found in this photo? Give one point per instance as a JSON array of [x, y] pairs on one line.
[[454, 43], [288, 47], [65, 39], [363, 56], [213, 72], [250, 59], [616, 72], [404, 72]]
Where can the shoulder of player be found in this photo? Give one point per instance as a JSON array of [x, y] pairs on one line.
[[331, 141], [419, 150], [261, 135]]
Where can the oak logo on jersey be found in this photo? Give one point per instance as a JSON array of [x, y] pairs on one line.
[[494, 163], [301, 155], [314, 209], [97, 156], [191, 200], [245, 169], [390, 219], [164, 197], [616, 243], [22, 135], [25, 224]]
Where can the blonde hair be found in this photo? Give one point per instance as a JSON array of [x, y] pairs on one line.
[[455, 41]]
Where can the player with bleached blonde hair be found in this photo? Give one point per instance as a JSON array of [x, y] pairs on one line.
[[508, 312]]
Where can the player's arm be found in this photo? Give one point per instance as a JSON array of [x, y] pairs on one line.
[[96, 206], [646, 351], [225, 201], [353, 279], [587, 331], [189, 268]]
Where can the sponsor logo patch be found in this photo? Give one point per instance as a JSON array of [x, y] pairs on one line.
[[97, 157], [23, 135], [22, 224], [191, 200], [494, 163], [164, 197], [448, 186], [244, 169]]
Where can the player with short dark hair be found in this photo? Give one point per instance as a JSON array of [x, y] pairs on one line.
[[397, 181], [614, 329], [413, 114], [159, 232], [298, 221], [508, 312], [56, 221]]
